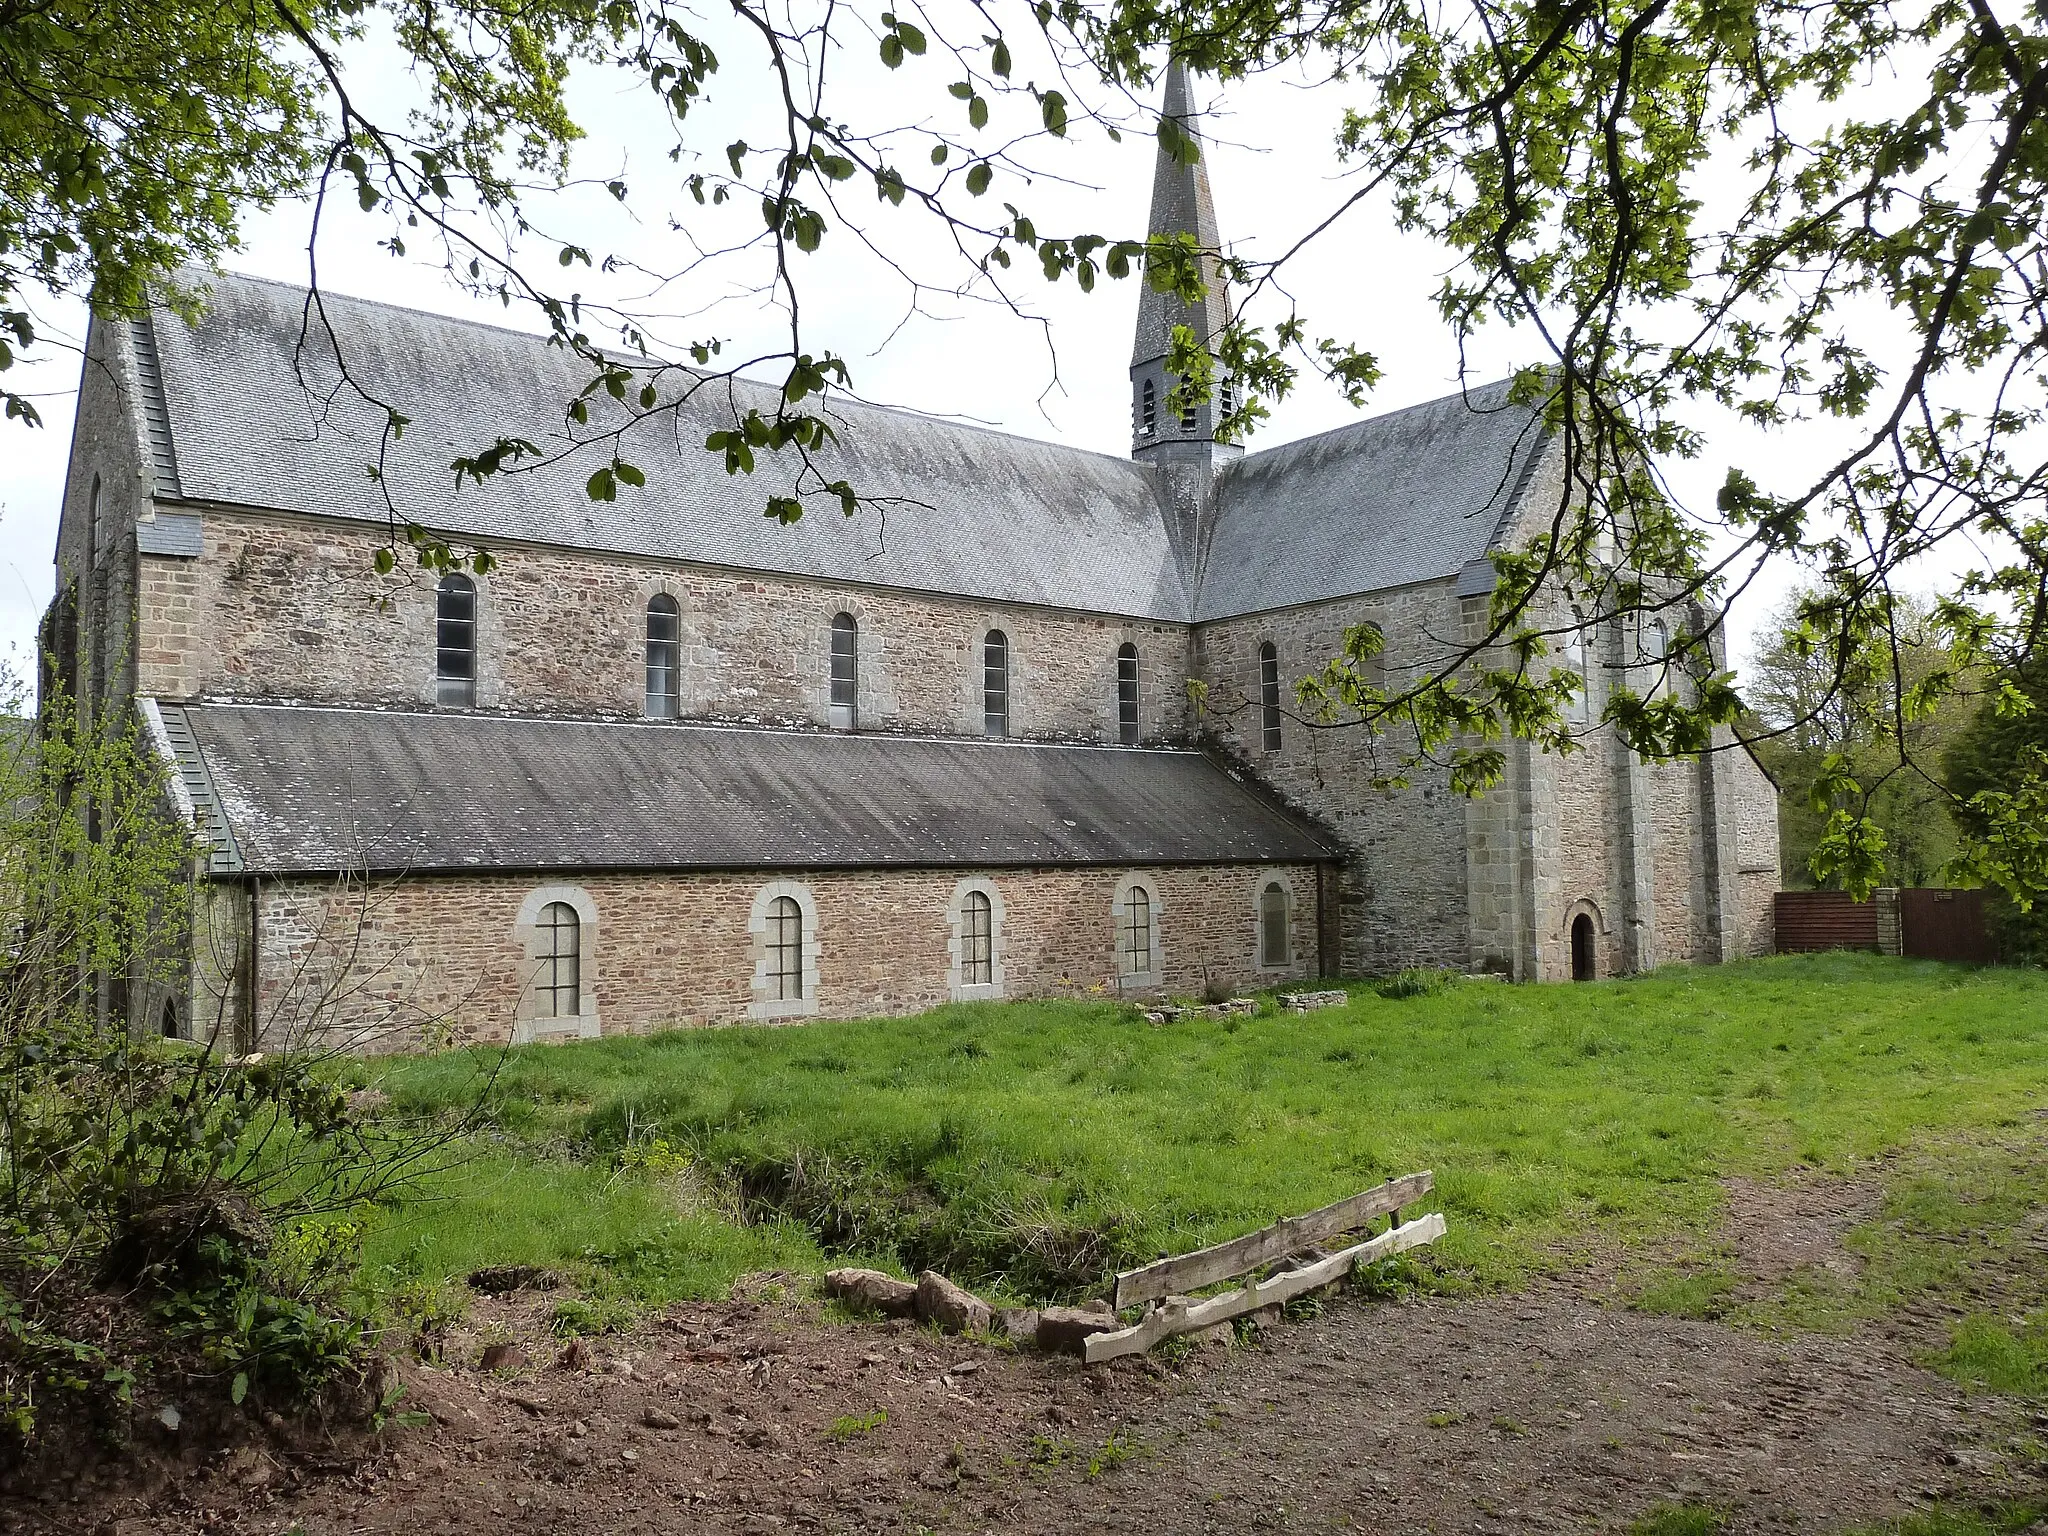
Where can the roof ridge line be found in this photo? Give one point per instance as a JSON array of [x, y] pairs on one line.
[[704, 726], [1368, 421]]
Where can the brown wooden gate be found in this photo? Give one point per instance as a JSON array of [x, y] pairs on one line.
[[1811, 920], [1947, 925]]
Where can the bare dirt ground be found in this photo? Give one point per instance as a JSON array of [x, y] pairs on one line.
[[1552, 1409]]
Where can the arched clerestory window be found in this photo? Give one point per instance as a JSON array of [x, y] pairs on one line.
[[844, 672], [1127, 694], [664, 657], [995, 684], [455, 640], [1269, 697]]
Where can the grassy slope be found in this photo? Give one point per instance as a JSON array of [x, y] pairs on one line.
[[1038, 1140]]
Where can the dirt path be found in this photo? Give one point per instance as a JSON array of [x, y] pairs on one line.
[[1554, 1409]]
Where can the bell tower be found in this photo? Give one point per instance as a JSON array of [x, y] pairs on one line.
[[1181, 205]]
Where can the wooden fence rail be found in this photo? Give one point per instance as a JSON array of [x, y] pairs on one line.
[[1206, 1266], [1164, 1281]]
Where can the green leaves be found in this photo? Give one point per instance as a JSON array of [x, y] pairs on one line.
[[899, 38]]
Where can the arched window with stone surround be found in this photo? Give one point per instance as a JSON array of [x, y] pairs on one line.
[[977, 940], [1134, 934], [1269, 697], [558, 979], [995, 684], [1273, 945], [785, 950], [845, 672], [455, 640], [1127, 694], [664, 657]]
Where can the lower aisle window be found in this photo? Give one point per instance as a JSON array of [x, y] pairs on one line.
[[786, 949], [1134, 949]]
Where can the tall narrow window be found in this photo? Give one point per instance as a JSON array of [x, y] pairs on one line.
[[560, 979], [845, 674], [664, 657], [1189, 415], [1148, 409], [1580, 710], [1227, 393], [1134, 935], [455, 640], [995, 684], [977, 941], [1273, 925], [92, 526], [1269, 697], [1127, 694], [786, 949]]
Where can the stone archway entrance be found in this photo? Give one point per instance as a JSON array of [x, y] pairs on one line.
[[1585, 965]]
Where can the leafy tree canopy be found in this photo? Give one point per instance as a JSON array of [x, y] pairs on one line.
[[1878, 263]]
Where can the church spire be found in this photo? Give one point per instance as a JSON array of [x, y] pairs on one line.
[[1181, 205]]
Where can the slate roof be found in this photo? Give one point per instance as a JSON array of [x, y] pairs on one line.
[[1414, 495], [981, 514], [316, 790], [1410, 496]]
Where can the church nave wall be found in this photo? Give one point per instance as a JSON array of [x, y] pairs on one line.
[[291, 608], [430, 960]]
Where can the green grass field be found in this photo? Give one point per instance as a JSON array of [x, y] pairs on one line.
[[1033, 1148]]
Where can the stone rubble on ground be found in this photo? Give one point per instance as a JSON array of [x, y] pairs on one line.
[[873, 1289]]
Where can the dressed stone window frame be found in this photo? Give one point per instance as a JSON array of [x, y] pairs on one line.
[[667, 604], [958, 987], [529, 1022], [1261, 887], [1119, 912], [765, 1006], [455, 690], [1269, 697], [1130, 695], [842, 706]]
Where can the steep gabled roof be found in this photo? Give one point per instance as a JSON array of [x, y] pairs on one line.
[[315, 790], [258, 421], [254, 421], [1410, 496]]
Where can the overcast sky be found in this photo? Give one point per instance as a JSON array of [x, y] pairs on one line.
[[1274, 173]]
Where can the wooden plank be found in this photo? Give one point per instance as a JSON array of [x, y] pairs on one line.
[[1179, 1316], [1206, 1266]]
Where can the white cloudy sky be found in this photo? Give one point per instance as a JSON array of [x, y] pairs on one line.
[[1274, 174]]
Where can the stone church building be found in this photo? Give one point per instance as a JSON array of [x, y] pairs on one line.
[[671, 763]]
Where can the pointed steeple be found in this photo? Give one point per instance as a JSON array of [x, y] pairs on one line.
[[1181, 205]]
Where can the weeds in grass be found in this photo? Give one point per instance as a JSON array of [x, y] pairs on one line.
[[1417, 982], [1992, 1520], [1119, 1448], [851, 1426], [1680, 1520], [1050, 1450], [1444, 1418], [582, 1316], [1697, 1293], [1984, 1353]]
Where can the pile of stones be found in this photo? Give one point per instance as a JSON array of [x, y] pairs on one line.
[[954, 1309]]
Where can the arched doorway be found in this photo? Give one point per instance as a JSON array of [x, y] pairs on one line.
[[1585, 966]]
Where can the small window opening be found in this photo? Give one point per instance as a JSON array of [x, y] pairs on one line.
[[1584, 965], [786, 949], [1269, 697], [995, 684], [1127, 694], [1273, 925], [845, 673], [561, 961], [92, 526], [664, 657], [1134, 938], [170, 1020], [1148, 409], [977, 940], [1227, 392], [1190, 414], [455, 640]]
